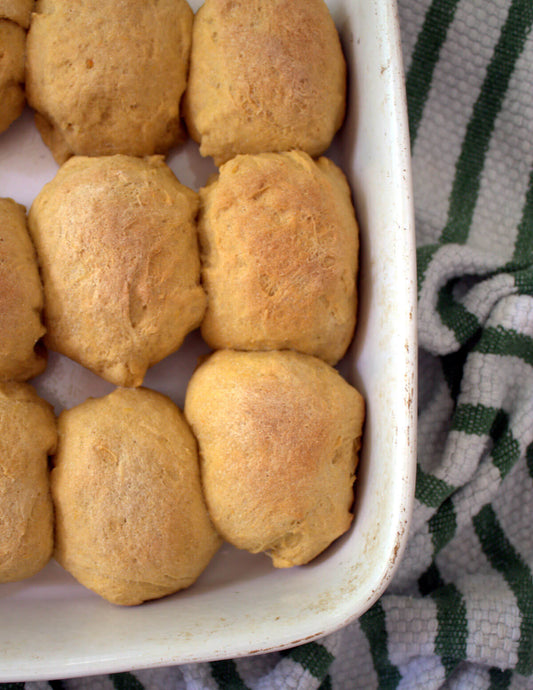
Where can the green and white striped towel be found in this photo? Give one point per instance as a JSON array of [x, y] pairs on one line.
[[459, 613]]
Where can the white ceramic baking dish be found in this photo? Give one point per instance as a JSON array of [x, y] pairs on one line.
[[53, 628]]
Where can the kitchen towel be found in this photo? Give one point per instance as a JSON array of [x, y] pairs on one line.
[[459, 612]]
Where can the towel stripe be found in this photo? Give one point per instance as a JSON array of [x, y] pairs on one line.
[[125, 681], [455, 316], [480, 420], [499, 679], [523, 249], [430, 490], [506, 453], [424, 256], [523, 279], [424, 58], [503, 557], [226, 675], [314, 657], [373, 624], [506, 341], [452, 634], [471, 160], [442, 525], [529, 459], [489, 421], [326, 684], [452, 368], [430, 580]]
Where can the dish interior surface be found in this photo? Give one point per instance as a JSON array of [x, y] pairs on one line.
[[52, 627]]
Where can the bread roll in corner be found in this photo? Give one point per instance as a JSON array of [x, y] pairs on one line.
[[27, 437], [131, 520]]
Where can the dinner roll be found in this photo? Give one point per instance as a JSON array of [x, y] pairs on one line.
[[107, 76], [131, 521], [19, 11], [265, 75], [117, 245], [27, 437], [279, 244], [12, 47], [22, 354], [279, 436]]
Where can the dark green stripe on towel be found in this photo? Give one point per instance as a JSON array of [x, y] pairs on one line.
[[450, 642], [442, 525], [314, 657], [523, 249], [431, 490], [500, 679], [125, 681], [475, 145], [504, 558], [430, 580], [455, 315], [506, 341], [529, 459], [424, 256], [479, 420], [425, 56], [226, 675], [373, 624]]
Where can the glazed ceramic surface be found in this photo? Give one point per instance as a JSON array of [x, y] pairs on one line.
[[54, 628]]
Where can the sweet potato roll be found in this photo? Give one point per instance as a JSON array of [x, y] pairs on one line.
[[279, 436], [265, 75], [131, 521], [117, 244]]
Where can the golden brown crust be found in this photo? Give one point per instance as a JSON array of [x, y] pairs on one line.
[[27, 437], [279, 436], [18, 11], [107, 76], [117, 246], [279, 244], [22, 355], [265, 75], [12, 99], [131, 521]]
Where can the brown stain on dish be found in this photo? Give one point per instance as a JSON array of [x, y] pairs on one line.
[[293, 643]]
